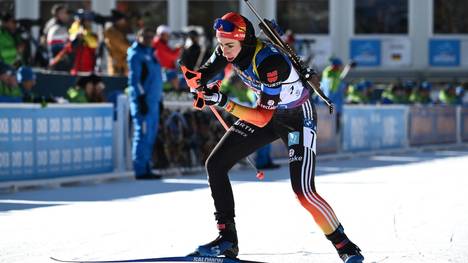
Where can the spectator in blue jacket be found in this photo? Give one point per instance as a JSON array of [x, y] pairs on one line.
[[145, 88], [26, 80]]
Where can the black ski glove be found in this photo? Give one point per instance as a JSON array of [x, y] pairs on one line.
[[142, 105], [213, 96]]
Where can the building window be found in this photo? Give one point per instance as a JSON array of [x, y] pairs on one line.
[[304, 16], [150, 14], [203, 13], [450, 17], [381, 17], [7, 6]]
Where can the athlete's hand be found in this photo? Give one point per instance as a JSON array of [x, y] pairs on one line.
[[214, 97]]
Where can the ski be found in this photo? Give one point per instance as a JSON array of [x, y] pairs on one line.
[[164, 259]]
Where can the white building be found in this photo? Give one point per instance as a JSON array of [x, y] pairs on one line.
[[399, 37]]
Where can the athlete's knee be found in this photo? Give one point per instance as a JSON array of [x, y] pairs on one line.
[[214, 165]]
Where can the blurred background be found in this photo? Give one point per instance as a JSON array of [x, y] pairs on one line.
[[397, 71]]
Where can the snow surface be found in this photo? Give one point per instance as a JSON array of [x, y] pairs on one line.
[[398, 208]]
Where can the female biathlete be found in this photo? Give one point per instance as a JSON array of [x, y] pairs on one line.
[[284, 110]]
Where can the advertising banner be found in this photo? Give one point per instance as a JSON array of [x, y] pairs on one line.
[[60, 140], [444, 52], [432, 125], [464, 53], [366, 52], [396, 52], [464, 123], [372, 128]]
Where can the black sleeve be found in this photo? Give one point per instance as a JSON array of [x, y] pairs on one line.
[[189, 56], [272, 71], [215, 64]]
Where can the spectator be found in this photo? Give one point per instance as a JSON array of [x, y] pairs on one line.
[[115, 38], [166, 55], [448, 95], [421, 95], [9, 90], [10, 42], [460, 92], [395, 94], [145, 88], [85, 42], [88, 89], [4, 73], [194, 55], [333, 87], [358, 94], [27, 80], [56, 31]]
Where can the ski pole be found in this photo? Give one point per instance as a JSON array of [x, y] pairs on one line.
[[346, 69], [260, 174]]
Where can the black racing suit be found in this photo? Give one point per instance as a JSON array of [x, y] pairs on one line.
[[294, 121]]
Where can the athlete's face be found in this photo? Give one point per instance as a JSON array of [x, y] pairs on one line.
[[230, 48]]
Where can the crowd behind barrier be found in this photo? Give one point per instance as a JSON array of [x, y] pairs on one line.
[[68, 140], [69, 51]]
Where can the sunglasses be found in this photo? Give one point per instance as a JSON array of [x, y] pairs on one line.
[[224, 25]]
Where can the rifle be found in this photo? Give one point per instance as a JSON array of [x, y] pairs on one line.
[[306, 73]]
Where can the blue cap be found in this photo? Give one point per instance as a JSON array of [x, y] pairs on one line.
[[426, 85], [336, 61], [459, 90], [361, 86], [409, 84], [367, 83], [25, 74], [83, 14]]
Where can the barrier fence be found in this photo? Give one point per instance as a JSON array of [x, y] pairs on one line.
[[368, 128], [71, 139], [60, 140], [432, 125]]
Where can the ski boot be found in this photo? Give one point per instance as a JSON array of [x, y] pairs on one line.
[[224, 245], [347, 250], [350, 253]]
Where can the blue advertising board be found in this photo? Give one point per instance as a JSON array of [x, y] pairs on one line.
[[55, 141], [464, 123], [444, 52], [366, 52], [372, 128], [432, 125]]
